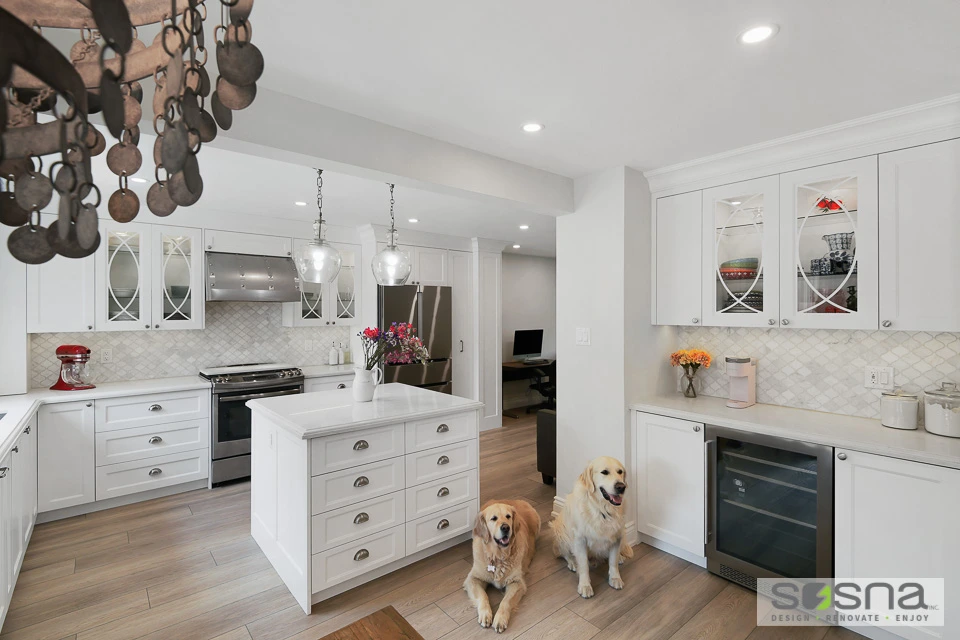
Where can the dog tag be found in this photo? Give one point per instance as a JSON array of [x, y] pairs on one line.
[[491, 568]]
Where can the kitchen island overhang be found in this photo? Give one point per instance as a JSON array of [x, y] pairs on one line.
[[344, 492]]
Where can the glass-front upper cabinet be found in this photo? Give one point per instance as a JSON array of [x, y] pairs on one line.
[[177, 278], [741, 224], [329, 304], [343, 291], [123, 282], [828, 251]]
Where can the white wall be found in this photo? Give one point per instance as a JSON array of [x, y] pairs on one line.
[[529, 302]]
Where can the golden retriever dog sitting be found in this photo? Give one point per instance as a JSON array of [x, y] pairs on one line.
[[504, 541], [590, 526]]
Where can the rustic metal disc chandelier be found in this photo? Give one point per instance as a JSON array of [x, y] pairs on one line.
[[102, 75]]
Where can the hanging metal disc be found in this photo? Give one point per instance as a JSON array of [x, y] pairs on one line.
[[158, 200], [175, 147], [113, 21], [34, 190], [157, 150], [132, 112], [112, 100], [240, 64], [29, 245], [66, 243], [86, 226], [175, 74], [15, 167], [221, 114], [124, 205], [131, 136], [234, 97], [179, 193], [124, 158], [136, 89], [11, 213], [204, 82], [191, 173], [93, 101]]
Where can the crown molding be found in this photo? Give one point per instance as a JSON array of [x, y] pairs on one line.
[[909, 126], [491, 246]]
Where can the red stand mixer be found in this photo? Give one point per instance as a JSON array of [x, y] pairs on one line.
[[73, 368]]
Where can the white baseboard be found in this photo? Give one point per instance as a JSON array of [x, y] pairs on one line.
[[119, 501], [683, 554]]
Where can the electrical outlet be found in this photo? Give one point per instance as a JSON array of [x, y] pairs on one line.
[[878, 377], [106, 356], [583, 336]]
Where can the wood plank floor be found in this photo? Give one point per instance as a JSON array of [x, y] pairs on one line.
[[185, 568]]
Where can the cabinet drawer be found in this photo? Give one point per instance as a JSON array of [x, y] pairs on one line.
[[449, 523], [342, 563], [143, 475], [433, 496], [441, 462], [345, 525], [141, 443], [326, 384], [159, 408], [333, 453], [436, 432], [350, 486]]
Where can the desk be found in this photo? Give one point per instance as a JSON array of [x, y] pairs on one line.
[[518, 370]]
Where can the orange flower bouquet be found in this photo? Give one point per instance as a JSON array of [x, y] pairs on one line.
[[691, 360]]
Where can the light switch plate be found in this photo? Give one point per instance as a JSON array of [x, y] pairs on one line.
[[106, 356], [583, 336], [878, 377]]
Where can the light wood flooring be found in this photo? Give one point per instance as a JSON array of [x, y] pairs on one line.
[[185, 568]]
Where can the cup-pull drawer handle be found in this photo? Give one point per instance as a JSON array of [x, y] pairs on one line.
[[443, 428], [360, 445], [361, 518], [155, 440], [443, 493], [362, 481], [443, 524], [443, 460], [363, 554], [155, 471], [154, 407], [341, 386]]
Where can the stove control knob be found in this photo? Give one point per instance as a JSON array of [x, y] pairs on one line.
[[283, 374], [298, 372]]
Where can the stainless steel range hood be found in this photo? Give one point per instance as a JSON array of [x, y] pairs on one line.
[[246, 278]]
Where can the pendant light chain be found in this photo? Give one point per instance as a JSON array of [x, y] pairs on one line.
[[392, 201], [318, 226]]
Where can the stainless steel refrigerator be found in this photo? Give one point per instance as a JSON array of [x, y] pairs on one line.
[[429, 309]]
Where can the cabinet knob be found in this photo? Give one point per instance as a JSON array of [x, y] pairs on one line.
[[156, 326], [771, 322], [89, 404], [341, 386], [334, 322], [696, 321], [784, 322], [363, 554], [360, 445], [15, 449], [443, 493], [443, 524], [443, 428], [362, 481], [442, 460], [155, 471], [887, 324], [155, 440], [3, 472], [696, 428], [146, 326], [209, 246], [288, 253], [361, 518], [842, 456], [89, 327], [154, 407], [328, 322], [27, 430]]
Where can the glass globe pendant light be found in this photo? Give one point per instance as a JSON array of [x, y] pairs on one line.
[[391, 267], [318, 261]]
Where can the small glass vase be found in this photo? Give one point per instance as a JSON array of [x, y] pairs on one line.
[[687, 383]]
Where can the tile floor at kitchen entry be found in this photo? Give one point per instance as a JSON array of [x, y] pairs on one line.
[[185, 568]]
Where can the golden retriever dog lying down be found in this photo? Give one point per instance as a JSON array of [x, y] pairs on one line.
[[504, 541], [590, 526]]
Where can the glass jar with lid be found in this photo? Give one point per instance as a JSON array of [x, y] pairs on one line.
[[900, 408], [942, 410]]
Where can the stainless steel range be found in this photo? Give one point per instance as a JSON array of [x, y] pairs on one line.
[[230, 433]]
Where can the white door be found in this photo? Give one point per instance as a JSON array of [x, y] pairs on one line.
[[678, 272], [828, 250], [177, 278], [66, 446], [430, 266], [464, 346], [123, 277], [892, 520], [919, 229], [60, 294], [313, 309], [344, 292], [671, 476], [741, 249]]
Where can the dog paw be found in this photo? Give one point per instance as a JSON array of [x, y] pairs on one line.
[[571, 567], [500, 623], [585, 591], [622, 560], [616, 582], [485, 618]]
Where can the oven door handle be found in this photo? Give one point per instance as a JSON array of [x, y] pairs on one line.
[[254, 396]]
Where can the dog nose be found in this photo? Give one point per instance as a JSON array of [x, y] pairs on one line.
[[620, 487], [505, 528]]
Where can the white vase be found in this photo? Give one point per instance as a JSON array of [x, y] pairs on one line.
[[365, 383]]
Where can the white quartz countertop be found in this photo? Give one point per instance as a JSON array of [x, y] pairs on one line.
[[311, 415], [845, 432], [18, 409], [325, 370]]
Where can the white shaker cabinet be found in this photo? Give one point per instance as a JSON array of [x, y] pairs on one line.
[[670, 465], [66, 444], [8, 539], [429, 266], [464, 345], [894, 519], [830, 213], [60, 293], [248, 243], [678, 259], [333, 303], [176, 278], [919, 230]]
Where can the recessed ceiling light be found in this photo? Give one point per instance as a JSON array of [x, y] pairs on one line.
[[762, 32], [414, 220], [524, 227], [300, 203], [516, 246], [138, 179], [734, 202], [533, 127]]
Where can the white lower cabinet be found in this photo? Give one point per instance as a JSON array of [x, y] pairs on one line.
[[7, 539], [326, 384], [895, 519], [349, 561], [433, 529], [18, 510], [67, 459], [124, 478], [670, 461]]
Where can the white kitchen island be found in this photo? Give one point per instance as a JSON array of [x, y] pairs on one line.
[[344, 492]]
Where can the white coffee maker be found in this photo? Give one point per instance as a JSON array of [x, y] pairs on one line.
[[743, 381]]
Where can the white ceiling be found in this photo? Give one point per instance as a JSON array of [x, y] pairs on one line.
[[642, 83]]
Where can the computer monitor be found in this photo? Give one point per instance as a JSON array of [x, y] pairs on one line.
[[527, 343]]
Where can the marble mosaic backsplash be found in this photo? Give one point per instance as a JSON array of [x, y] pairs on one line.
[[236, 332], [822, 369]]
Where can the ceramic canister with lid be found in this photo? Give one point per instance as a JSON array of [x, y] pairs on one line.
[[899, 409], [942, 410]]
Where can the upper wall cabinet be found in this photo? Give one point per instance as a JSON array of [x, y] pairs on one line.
[[919, 230], [247, 243], [678, 259], [741, 224], [328, 304], [60, 293], [429, 266], [828, 246], [177, 278]]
